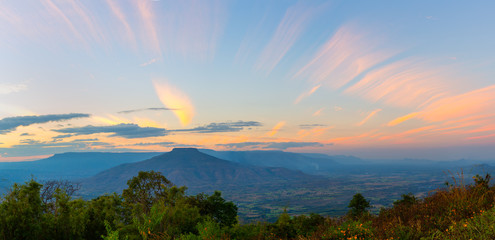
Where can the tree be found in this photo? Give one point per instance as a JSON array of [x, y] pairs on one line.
[[358, 205], [215, 206], [21, 212], [407, 200], [49, 189], [145, 189]]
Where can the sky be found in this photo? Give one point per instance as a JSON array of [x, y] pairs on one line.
[[373, 79]]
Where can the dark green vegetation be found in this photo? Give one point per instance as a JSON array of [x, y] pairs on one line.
[[151, 207]]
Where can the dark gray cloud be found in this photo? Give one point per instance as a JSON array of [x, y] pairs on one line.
[[309, 126], [125, 130], [31, 147], [85, 140], [222, 127], [271, 145], [155, 144], [147, 109], [9, 124], [62, 136], [285, 145], [242, 145]]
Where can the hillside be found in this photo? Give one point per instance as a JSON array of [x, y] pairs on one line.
[[194, 169]]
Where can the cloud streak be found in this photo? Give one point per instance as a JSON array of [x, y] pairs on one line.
[[270, 145], [276, 128], [307, 94], [10, 124], [222, 127], [370, 115], [146, 109], [343, 57], [291, 26], [11, 88], [124, 130]]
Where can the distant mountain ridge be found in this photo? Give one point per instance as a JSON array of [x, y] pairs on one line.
[[194, 169], [70, 165], [308, 163]]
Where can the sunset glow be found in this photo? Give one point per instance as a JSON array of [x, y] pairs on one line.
[[333, 77]]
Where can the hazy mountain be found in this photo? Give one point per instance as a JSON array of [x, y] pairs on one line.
[[70, 165], [342, 159], [295, 161], [194, 169]]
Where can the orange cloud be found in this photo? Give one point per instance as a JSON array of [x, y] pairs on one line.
[[402, 119], [173, 98], [480, 101], [307, 94], [318, 112], [276, 128], [368, 117], [405, 83], [346, 55], [24, 158]]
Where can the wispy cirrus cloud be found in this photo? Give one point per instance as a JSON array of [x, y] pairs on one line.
[[222, 127], [471, 104], [124, 130], [307, 94], [292, 25], [189, 28], [146, 109], [12, 88], [370, 115], [347, 54], [10, 124], [270, 145], [310, 126], [147, 16], [404, 83], [276, 128], [148, 62], [120, 15]]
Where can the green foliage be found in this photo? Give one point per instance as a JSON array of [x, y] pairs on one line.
[[103, 212], [306, 225], [214, 206], [481, 226], [350, 230], [21, 212], [145, 189], [358, 205], [407, 199], [111, 234], [26, 212]]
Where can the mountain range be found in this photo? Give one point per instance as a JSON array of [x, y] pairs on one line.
[[198, 171]]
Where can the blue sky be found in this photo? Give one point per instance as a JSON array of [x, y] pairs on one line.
[[375, 79]]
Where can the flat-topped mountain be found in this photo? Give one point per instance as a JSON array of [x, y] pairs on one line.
[[194, 169]]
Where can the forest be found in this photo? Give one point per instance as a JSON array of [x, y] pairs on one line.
[[152, 207]]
